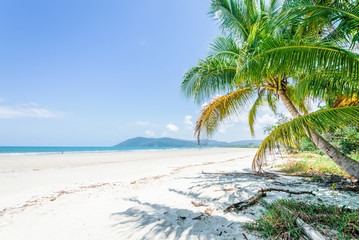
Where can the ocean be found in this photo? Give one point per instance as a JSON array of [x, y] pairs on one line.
[[59, 150]]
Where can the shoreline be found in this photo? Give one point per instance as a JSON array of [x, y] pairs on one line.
[[25, 177], [23, 154], [158, 195]]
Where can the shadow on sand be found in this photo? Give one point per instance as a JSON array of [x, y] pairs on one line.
[[155, 221]]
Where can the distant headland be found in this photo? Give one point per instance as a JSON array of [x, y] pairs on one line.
[[178, 143]]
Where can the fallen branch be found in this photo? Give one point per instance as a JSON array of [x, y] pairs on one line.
[[287, 191], [199, 204], [260, 194], [265, 174], [227, 189], [347, 188], [244, 236], [309, 231], [245, 204]]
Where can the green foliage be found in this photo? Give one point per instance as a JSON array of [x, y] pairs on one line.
[[278, 220], [271, 48], [281, 120], [336, 20], [307, 145], [289, 133], [312, 165], [346, 139]]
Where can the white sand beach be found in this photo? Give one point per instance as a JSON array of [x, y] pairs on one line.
[[134, 195]]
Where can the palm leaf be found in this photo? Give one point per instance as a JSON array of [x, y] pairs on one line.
[[276, 57], [344, 101], [327, 85], [341, 17], [211, 76], [233, 17], [221, 108], [225, 46], [258, 103], [290, 132]]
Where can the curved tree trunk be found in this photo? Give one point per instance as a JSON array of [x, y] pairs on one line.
[[346, 163]]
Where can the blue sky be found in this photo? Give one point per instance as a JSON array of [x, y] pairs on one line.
[[94, 73]]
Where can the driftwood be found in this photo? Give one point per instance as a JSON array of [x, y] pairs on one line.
[[199, 204], [265, 174], [287, 191], [260, 194], [348, 188], [227, 189], [309, 231], [245, 204], [244, 236]]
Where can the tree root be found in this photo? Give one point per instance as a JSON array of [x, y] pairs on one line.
[[260, 194]]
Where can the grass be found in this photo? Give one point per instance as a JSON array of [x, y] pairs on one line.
[[312, 164], [279, 217]]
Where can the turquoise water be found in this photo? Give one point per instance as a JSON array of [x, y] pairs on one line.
[[57, 150]]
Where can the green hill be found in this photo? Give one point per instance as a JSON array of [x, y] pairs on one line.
[[177, 143]]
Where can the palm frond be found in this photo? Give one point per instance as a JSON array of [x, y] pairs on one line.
[[340, 17], [326, 85], [275, 8], [272, 101], [225, 46], [276, 57], [344, 101], [289, 133], [301, 103], [221, 108], [233, 17], [211, 76], [258, 103]]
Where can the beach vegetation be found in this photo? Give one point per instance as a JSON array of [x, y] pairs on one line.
[[278, 220], [311, 165], [288, 51]]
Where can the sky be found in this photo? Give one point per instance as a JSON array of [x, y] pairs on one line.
[[95, 73]]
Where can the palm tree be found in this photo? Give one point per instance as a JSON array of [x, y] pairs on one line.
[[258, 62]]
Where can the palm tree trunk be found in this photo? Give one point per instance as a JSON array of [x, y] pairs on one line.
[[348, 164]]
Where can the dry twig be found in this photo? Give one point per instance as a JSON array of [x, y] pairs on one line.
[[260, 194]]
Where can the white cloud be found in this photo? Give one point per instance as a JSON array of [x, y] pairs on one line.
[[188, 122], [238, 118], [27, 111], [150, 133], [172, 127], [204, 104], [222, 129], [141, 123], [266, 119]]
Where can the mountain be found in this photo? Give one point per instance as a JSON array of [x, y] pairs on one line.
[[177, 143], [155, 142], [245, 142]]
